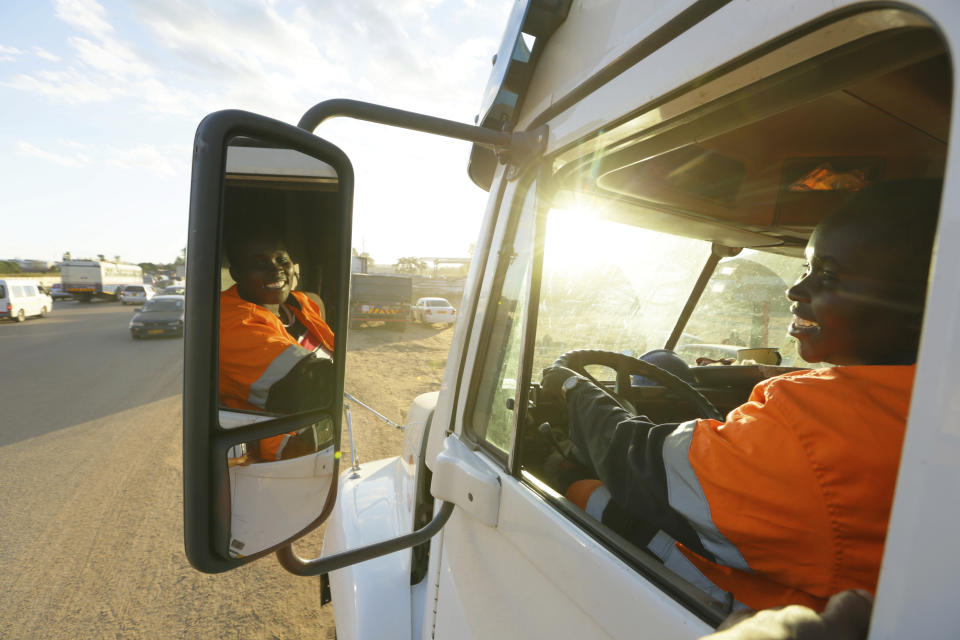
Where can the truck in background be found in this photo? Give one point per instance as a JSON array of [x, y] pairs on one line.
[[380, 298], [89, 279]]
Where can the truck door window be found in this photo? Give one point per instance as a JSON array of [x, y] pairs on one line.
[[492, 419]]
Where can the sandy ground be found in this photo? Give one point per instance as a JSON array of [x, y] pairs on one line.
[[92, 519]]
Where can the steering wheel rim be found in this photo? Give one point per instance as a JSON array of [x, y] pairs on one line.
[[627, 366]]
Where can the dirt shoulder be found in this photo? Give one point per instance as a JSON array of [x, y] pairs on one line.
[[93, 520]]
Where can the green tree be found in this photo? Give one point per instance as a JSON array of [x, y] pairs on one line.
[[411, 265]]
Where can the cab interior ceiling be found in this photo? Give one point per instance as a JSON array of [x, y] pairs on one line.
[[748, 184]]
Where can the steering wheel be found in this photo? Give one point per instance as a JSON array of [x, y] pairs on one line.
[[627, 366]]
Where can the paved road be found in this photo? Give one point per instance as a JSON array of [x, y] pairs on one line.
[[80, 364], [91, 506]]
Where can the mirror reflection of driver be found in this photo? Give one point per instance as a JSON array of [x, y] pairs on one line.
[[786, 501], [275, 349]]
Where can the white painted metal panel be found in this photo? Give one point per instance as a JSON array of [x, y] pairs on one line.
[[537, 576], [372, 598]]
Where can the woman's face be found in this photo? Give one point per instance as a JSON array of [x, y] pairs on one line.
[[847, 307], [265, 273]]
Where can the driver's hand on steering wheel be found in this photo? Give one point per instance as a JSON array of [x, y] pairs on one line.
[[553, 379]]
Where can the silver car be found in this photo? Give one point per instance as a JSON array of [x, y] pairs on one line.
[[136, 293]]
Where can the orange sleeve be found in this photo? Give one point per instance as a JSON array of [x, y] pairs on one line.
[[248, 345]]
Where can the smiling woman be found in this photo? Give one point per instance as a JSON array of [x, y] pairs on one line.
[[274, 345], [860, 299]]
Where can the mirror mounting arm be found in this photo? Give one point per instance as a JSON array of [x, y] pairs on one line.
[[513, 148], [296, 565]]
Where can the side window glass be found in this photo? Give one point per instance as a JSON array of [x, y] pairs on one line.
[[492, 418]]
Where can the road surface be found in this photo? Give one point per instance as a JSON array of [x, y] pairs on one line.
[[90, 465]]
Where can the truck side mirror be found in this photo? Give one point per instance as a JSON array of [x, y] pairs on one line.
[[270, 230]]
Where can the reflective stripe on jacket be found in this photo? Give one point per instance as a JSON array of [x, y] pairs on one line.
[[787, 501]]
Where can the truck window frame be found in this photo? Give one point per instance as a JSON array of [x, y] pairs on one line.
[[526, 189]]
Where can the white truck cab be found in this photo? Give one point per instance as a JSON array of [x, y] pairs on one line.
[[655, 170]]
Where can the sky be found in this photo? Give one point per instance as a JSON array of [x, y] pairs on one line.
[[101, 100]]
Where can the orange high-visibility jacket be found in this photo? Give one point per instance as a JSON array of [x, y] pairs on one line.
[[256, 351], [790, 496]]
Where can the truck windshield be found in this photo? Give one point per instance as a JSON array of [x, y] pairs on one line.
[[611, 286], [618, 287], [745, 306]]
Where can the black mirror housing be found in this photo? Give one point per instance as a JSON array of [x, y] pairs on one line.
[[322, 235]]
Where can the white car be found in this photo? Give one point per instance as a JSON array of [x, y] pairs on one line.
[[136, 293], [434, 310], [21, 297]]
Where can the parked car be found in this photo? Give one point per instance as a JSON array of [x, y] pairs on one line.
[[137, 293], [57, 292], [434, 310], [21, 297], [160, 316], [174, 290]]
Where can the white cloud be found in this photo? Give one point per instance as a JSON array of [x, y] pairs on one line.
[[249, 57], [165, 162], [103, 69], [70, 86], [246, 54], [73, 160], [88, 16], [111, 57], [158, 97], [46, 55], [162, 161], [8, 54]]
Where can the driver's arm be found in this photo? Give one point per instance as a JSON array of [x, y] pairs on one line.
[[745, 494], [627, 454]]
